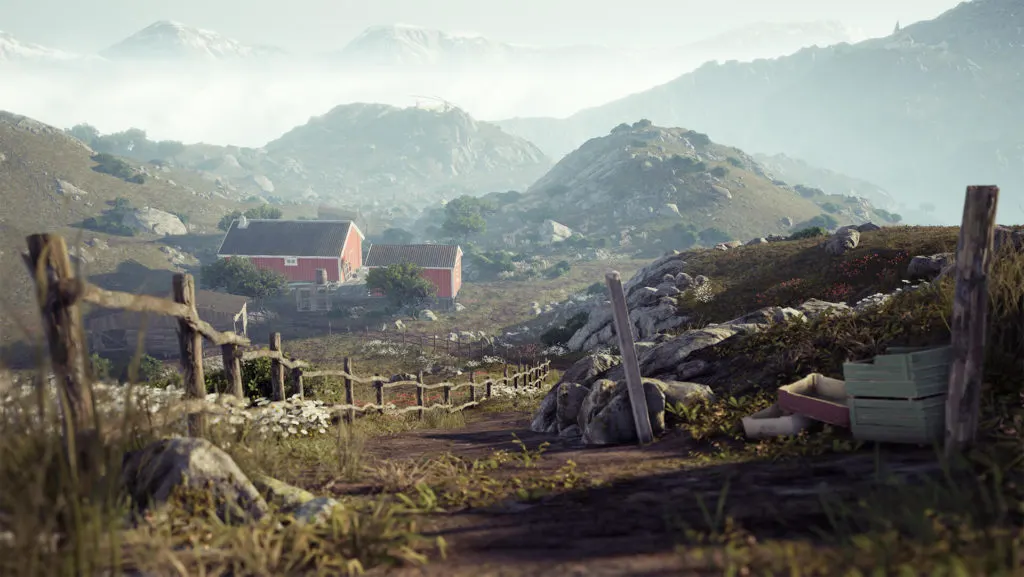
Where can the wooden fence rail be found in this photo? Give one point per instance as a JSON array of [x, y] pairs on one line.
[[59, 294]]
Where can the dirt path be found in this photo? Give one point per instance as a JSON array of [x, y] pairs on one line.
[[631, 523]]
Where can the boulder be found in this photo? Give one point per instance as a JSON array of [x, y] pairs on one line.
[[843, 240], [669, 210], [263, 183], [1006, 236], [786, 221], [928, 267], [552, 231], [65, 188], [152, 474], [153, 221], [588, 369], [868, 227], [666, 357], [426, 315], [605, 416], [815, 308], [755, 241]]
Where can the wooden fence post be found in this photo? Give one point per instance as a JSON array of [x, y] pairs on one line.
[[232, 369], [505, 375], [435, 344], [634, 384], [378, 385], [488, 392], [446, 392], [276, 368], [297, 383], [472, 386], [419, 394], [970, 316], [191, 342], [349, 389], [62, 320]]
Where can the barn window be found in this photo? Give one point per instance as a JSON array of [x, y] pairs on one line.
[[291, 261]]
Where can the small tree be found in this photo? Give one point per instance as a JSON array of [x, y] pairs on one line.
[[396, 236], [262, 212], [464, 216], [240, 276], [403, 284]]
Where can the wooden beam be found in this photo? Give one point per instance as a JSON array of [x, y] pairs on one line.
[[50, 265], [276, 368], [232, 369], [191, 343], [634, 382], [970, 316]]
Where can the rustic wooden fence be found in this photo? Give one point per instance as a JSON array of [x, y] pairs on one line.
[[59, 293], [469, 349]]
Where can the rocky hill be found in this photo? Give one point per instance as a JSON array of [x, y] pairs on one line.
[[797, 171], [923, 112], [644, 185], [363, 152], [120, 217]]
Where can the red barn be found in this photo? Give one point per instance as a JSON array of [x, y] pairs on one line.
[[297, 248], [441, 263]]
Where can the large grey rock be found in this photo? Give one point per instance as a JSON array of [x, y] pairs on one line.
[[814, 308], [567, 404], [153, 221], [642, 297], [264, 183], [928, 267], [150, 476], [552, 231], [65, 188], [868, 227], [844, 239], [664, 358], [606, 414], [1005, 236], [426, 315], [588, 369]]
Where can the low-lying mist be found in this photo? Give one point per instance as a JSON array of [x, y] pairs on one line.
[[247, 105]]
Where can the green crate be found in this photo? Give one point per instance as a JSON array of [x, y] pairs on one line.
[[919, 421], [904, 373]]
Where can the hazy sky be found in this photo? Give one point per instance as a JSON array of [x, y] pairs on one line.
[[325, 25]]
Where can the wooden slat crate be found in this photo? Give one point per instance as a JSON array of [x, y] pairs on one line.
[[818, 397], [917, 421], [903, 373]]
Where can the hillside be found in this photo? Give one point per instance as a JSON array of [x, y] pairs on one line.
[[49, 183], [643, 185], [794, 170], [935, 103]]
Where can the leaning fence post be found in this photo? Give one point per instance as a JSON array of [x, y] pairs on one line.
[[62, 320], [970, 316], [350, 397], [378, 385], [634, 382], [232, 368], [191, 342], [297, 383], [419, 394], [276, 368]]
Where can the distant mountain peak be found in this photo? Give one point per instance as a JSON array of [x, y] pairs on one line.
[[170, 39]]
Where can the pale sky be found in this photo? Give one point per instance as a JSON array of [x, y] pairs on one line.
[[310, 26]]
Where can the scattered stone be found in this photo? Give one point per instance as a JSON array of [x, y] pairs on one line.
[[65, 188], [928, 267], [152, 474], [755, 241], [843, 240], [552, 232], [868, 227], [154, 221], [426, 315]]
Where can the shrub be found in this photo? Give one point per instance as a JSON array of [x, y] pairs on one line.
[[561, 335], [560, 269], [114, 166], [831, 207], [719, 171], [241, 276], [734, 161], [698, 139], [596, 289], [713, 235], [826, 221], [807, 191], [809, 232], [642, 123], [402, 284]]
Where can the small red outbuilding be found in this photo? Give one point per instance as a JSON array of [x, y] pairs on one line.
[[441, 263]]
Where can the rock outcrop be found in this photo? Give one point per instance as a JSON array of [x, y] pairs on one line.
[[153, 221]]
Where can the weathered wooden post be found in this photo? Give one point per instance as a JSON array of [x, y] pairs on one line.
[[446, 395], [472, 386], [419, 394], [634, 383], [970, 316], [504, 373], [350, 397], [62, 320], [488, 389], [297, 384], [378, 385], [191, 342], [276, 368], [232, 368]]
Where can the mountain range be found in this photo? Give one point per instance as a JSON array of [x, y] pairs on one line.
[[923, 113], [408, 45]]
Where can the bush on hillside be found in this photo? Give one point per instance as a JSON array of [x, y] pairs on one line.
[[807, 191], [698, 139], [556, 336], [240, 276], [809, 232], [111, 220], [734, 161], [687, 164], [889, 216], [492, 263], [826, 221], [597, 288], [712, 235], [831, 207], [262, 212], [114, 166], [560, 269], [719, 171]]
